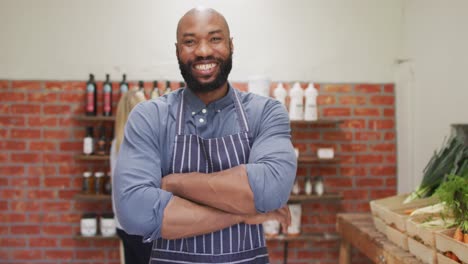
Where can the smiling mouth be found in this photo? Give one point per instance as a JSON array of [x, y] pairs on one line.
[[205, 67]]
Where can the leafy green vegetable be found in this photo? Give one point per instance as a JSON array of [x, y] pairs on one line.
[[454, 192]]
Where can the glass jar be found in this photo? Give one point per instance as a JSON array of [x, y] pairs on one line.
[[99, 182], [108, 184], [88, 224], [88, 183], [107, 225]]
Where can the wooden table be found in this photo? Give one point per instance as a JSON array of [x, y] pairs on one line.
[[359, 231]]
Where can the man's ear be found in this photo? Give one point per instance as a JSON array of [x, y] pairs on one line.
[[176, 50], [231, 44]]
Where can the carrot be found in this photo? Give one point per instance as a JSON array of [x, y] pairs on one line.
[[458, 234], [465, 237], [408, 211], [455, 258]]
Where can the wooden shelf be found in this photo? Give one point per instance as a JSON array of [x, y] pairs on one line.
[[92, 157], [318, 237], [97, 237], [314, 159], [301, 198], [95, 118], [92, 197], [317, 122]]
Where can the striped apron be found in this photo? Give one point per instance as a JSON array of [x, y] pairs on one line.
[[240, 243]]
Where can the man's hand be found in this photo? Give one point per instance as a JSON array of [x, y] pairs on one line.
[[281, 215]]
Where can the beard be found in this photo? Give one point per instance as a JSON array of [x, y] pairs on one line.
[[194, 85]]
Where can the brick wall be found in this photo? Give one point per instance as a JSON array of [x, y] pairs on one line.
[[39, 175]]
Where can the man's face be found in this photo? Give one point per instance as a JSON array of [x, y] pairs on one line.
[[204, 52]]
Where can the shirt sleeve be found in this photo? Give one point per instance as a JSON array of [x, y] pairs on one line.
[[272, 162], [140, 202]]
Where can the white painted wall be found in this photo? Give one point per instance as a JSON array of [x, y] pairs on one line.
[[436, 44], [320, 40]]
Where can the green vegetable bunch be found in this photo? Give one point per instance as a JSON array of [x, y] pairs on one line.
[[454, 192]]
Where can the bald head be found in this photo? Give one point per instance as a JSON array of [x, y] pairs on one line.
[[197, 14]]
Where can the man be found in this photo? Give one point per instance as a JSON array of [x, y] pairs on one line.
[[201, 168]]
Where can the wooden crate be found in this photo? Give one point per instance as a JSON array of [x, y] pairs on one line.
[[379, 225], [445, 242], [377, 206], [397, 237], [441, 259], [426, 234], [423, 252]]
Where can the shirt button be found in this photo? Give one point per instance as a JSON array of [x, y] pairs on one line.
[[203, 110], [201, 120], [193, 113]]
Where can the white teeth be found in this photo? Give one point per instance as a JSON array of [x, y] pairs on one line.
[[205, 67]]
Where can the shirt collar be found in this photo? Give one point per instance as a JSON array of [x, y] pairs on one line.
[[195, 105]]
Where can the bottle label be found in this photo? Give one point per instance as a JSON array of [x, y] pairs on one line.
[[123, 88], [107, 103], [90, 98], [88, 145]]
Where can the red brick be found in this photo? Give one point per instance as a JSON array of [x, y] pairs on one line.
[[32, 181], [12, 120], [384, 147], [27, 254], [383, 171], [3, 133], [367, 136], [389, 136], [4, 84], [325, 100], [70, 218], [308, 254], [27, 85], [327, 171], [12, 218], [67, 121], [58, 158], [328, 112], [391, 182], [57, 109], [43, 242], [338, 182], [346, 159], [90, 254], [369, 182], [26, 133], [389, 112], [11, 194], [362, 159], [57, 230], [59, 254], [367, 88], [43, 97], [337, 136], [57, 182], [4, 181], [353, 147], [67, 169], [12, 242], [66, 86], [389, 88], [12, 97], [337, 88], [78, 98], [362, 207], [25, 109], [43, 146], [378, 194], [41, 194], [66, 194], [381, 124], [305, 135], [352, 100], [352, 171], [12, 145], [71, 146], [42, 171], [355, 194], [360, 124], [56, 134], [382, 100], [26, 157], [56, 206], [3, 157], [390, 159], [3, 205], [42, 121], [25, 229], [367, 112], [69, 242], [26, 206]]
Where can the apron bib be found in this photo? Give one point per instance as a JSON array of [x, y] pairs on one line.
[[240, 243]]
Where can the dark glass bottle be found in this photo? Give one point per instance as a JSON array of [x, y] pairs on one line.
[[91, 97], [124, 84], [141, 86], [107, 94], [168, 87], [155, 93], [101, 146], [88, 142]]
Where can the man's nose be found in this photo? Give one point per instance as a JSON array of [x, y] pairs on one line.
[[203, 49]]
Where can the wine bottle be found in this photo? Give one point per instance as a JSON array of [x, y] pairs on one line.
[[91, 97], [124, 84], [155, 93], [107, 94]]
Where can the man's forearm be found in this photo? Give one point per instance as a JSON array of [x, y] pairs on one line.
[[183, 218], [227, 190]]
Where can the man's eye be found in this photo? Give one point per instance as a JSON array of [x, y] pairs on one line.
[[216, 39], [189, 42]]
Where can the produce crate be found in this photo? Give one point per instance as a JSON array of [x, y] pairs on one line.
[[445, 242], [379, 225], [414, 229], [441, 259], [397, 237], [378, 206], [423, 252]]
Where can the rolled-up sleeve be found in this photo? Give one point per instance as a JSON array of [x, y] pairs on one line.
[[140, 202], [272, 163]]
